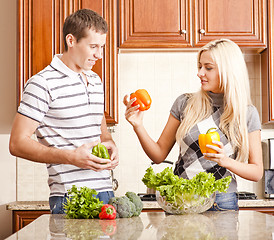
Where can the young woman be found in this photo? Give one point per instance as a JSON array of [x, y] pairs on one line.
[[223, 102]]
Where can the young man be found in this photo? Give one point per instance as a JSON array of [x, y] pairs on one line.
[[64, 106]]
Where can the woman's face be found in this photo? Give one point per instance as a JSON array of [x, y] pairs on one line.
[[208, 73]]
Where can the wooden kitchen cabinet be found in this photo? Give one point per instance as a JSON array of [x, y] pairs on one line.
[[191, 23], [150, 23], [22, 218], [40, 37], [266, 210], [244, 22], [268, 71]]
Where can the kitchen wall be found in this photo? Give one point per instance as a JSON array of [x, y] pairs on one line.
[[8, 68], [165, 75]]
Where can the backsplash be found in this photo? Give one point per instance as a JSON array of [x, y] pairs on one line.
[[165, 75]]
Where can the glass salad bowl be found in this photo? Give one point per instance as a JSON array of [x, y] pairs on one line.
[[186, 203]]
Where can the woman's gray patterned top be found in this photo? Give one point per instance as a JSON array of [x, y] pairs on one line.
[[191, 160]]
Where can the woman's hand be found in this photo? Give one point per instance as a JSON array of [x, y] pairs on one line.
[[132, 114], [219, 157], [251, 170]]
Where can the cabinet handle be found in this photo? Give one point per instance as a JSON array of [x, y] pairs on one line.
[[183, 32], [202, 31]]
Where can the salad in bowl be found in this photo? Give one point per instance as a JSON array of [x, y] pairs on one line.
[[179, 196]]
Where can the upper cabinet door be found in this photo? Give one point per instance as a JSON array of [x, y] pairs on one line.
[[151, 23], [243, 21], [40, 37]]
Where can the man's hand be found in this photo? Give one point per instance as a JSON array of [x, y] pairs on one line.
[[22, 145], [113, 153], [83, 158]]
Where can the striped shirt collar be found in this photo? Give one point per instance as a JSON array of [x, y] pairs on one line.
[[60, 66]]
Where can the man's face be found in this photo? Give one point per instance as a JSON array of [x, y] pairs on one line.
[[87, 51]]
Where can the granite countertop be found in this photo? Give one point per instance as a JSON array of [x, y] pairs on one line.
[[28, 205], [44, 205], [228, 225]]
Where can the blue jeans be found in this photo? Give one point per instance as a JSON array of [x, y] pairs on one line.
[[225, 201], [56, 203]]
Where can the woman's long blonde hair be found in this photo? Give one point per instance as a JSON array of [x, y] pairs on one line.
[[234, 82]]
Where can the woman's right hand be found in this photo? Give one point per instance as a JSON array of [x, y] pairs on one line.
[[132, 114]]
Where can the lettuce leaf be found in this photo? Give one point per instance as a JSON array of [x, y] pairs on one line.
[[172, 187], [82, 203]]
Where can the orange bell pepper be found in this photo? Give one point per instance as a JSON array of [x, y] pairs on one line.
[[204, 139], [142, 98]]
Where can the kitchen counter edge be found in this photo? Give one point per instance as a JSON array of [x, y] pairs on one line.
[[44, 205]]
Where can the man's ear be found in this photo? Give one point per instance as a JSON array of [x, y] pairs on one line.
[[70, 39]]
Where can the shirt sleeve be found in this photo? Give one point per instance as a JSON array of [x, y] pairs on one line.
[[35, 99], [178, 107], [253, 119]]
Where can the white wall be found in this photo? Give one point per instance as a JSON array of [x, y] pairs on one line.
[[8, 19], [165, 76]]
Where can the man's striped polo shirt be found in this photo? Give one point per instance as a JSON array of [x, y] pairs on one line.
[[69, 113]]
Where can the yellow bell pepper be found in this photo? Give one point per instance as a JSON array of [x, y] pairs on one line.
[[204, 139]]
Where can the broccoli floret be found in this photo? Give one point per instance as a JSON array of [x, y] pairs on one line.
[[124, 207], [134, 198], [113, 201]]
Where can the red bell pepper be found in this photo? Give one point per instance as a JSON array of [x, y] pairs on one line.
[[107, 212], [142, 98]]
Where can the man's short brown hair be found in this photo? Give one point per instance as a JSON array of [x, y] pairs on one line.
[[78, 22]]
